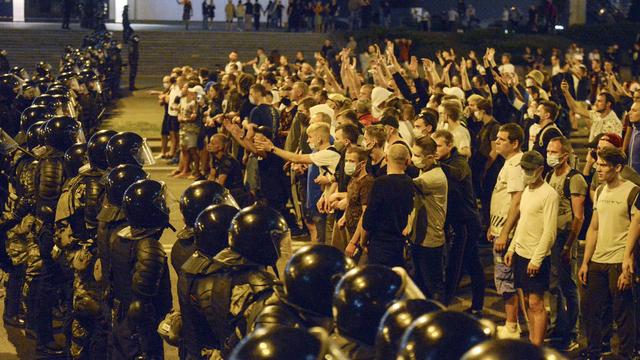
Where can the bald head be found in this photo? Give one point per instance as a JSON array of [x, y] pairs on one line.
[[398, 154]]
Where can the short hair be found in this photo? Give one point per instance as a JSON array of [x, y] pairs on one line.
[[566, 144], [608, 98], [314, 89], [324, 118], [427, 145], [475, 98], [398, 153], [613, 156], [430, 117], [514, 132], [204, 73], [361, 152], [220, 137], [260, 89], [484, 105], [390, 112], [270, 78], [302, 85], [320, 81], [378, 134], [245, 81], [363, 106], [350, 115], [320, 128], [550, 107], [307, 103], [453, 109], [443, 134], [349, 132]]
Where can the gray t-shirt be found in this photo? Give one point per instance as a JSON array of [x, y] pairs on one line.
[[577, 186], [613, 222], [430, 203]]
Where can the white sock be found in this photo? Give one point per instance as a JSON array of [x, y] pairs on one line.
[[512, 327]]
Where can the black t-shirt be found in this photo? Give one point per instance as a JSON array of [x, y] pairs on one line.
[[267, 116], [461, 202], [543, 138], [389, 205], [229, 166]]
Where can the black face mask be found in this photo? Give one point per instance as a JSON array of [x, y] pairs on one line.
[[304, 119], [285, 101], [536, 118]]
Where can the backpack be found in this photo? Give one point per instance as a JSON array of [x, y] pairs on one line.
[[326, 168], [544, 131], [566, 188]]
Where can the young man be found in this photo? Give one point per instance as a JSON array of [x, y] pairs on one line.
[[546, 115], [429, 213], [572, 190], [225, 169], [425, 123], [600, 120], [504, 214], [601, 272], [463, 217], [461, 137], [530, 250], [389, 205]]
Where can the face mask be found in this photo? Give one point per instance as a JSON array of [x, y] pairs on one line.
[[417, 162], [313, 146], [252, 100], [536, 118], [417, 133], [165, 85], [477, 115], [349, 168], [286, 101], [528, 178], [553, 161], [339, 145]]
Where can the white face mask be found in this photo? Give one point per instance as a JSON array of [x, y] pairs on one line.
[[529, 179], [553, 160], [165, 85], [252, 100], [349, 168], [417, 132], [418, 162], [477, 115]]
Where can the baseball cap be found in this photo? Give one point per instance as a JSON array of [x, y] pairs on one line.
[[613, 138], [455, 91], [531, 160], [389, 120], [197, 89]]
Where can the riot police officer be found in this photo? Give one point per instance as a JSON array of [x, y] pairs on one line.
[[59, 134], [139, 273], [74, 158], [134, 56], [309, 281], [9, 116], [256, 237], [510, 349], [210, 232], [30, 116], [128, 148], [359, 302]]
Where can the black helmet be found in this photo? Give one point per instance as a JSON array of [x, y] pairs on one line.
[[43, 69], [61, 132], [279, 343], [74, 158], [87, 76], [396, 320], [33, 114], [119, 179], [58, 88], [361, 298], [126, 148], [201, 194], [64, 103], [96, 148], [443, 335], [9, 86], [211, 228], [257, 232], [20, 72], [48, 101], [510, 349], [34, 135], [144, 204], [43, 84], [311, 275]]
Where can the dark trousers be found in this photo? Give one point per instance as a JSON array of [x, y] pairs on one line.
[[463, 256], [565, 308], [133, 72], [601, 289], [131, 341], [66, 18], [386, 250], [40, 303], [428, 268], [13, 287]]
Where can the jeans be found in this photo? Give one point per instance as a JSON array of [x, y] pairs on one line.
[[428, 264], [463, 255], [600, 290], [565, 308], [386, 250]]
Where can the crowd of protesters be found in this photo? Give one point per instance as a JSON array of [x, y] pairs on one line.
[[405, 162]]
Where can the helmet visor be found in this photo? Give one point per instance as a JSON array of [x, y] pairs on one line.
[[7, 143], [284, 251], [80, 138], [144, 156], [330, 349], [411, 290], [229, 200]]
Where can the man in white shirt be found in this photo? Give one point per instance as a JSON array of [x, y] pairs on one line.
[[461, 137], [504, 213], [606, 249], [600, 120], [233, 60], [530, 250]]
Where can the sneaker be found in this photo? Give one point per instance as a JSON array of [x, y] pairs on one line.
[[568, 346], [505, 333], [474, 312]]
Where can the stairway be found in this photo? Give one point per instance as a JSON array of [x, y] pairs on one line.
[[161, 50]]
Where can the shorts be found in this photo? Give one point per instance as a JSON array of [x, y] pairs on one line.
[[169, 124], [502, 275], [537, 284], [188, 139]]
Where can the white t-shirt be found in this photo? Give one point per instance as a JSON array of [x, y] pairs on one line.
[[173, 107], [538, 223], [406, 132], [326, 160], [227, 68], [607, 124], [509, 181], [533, 132], [613, 222], [461, 137]]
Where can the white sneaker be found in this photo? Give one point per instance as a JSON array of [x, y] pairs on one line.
[[505, 333]]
